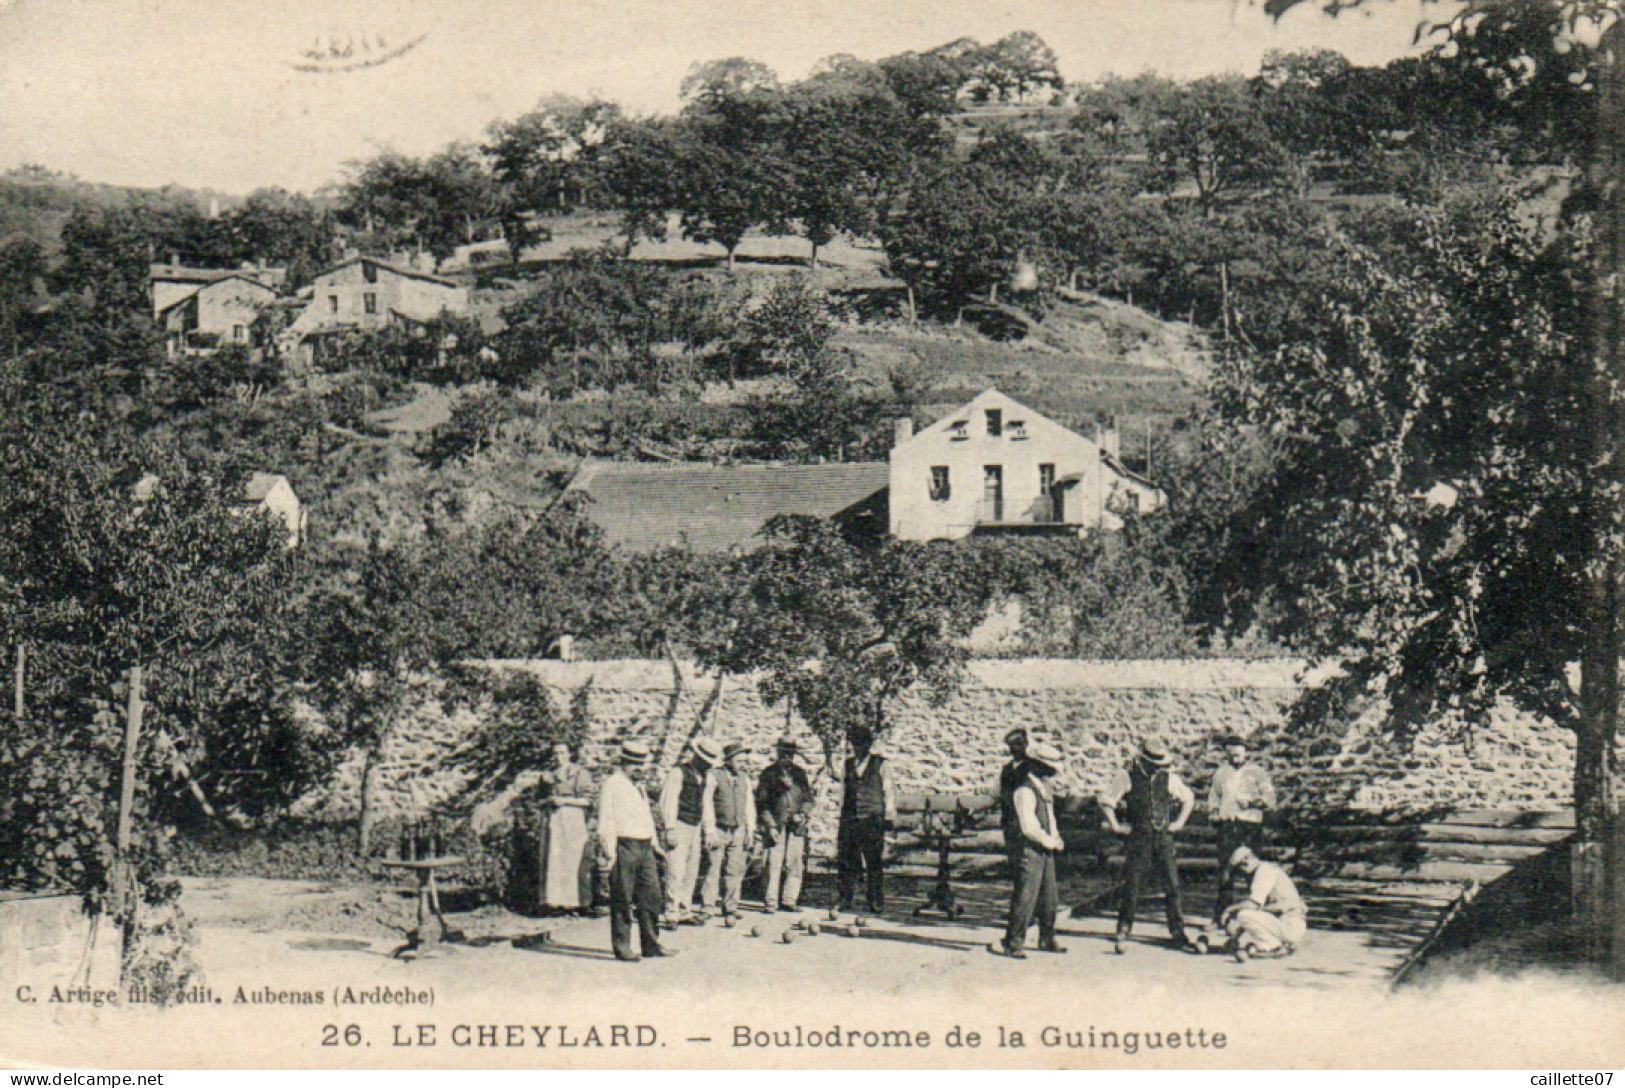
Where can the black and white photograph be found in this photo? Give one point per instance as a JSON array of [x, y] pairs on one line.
[[812, 535]]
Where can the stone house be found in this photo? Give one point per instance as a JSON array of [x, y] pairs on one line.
[[218, 313], [996, 466], [363, 293], [204, 308]]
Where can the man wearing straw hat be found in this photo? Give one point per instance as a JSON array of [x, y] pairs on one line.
[[626, 834], [688, 817], [1033, 892], [868, 808], [783, 799], [1157, 804], [734, 802]]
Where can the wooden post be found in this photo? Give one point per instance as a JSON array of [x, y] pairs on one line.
[[124, 895], [17, 705]]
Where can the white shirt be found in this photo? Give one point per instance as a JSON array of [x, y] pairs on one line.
[[1120, 787], [1028, 797], [1273, 890], [1240, 793], [623, 812]]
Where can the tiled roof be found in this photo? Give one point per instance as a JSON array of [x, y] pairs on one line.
[[266, 277], [713, 508]]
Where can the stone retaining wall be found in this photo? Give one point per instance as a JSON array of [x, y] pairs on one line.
[[1096, 711]]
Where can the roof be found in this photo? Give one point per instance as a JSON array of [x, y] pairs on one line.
[[256, 489], [409, 273], [714, 508], [1117, 466], [260, 485], [177, 273], [192, 298]]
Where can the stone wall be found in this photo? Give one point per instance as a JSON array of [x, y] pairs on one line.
[[1096, 711]]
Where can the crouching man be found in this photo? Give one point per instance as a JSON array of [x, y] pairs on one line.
[[1272, 919]]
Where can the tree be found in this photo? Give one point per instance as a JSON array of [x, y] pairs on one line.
[[841, 633], [436, 203], [1211, 134], [22, 269], [548, 161], [282, 228], [367, 648], [1532, 50], [172, 589]]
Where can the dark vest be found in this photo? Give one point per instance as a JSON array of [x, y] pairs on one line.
[[865, 796], [1150, 801], [691, 801], [729, 805], [1011, 776]]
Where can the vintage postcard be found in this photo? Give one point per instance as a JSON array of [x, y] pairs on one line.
[[1055, 534]]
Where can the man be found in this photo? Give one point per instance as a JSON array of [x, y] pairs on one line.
[[1237, 799], [734, 803], [1272, 919], [1010, 777], [688, 817], [1033, 892], [626, 834], [1157, 804], [783, 800], [868, 807]]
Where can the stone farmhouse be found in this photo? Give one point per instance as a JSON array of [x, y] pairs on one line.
[[368, 293], [993, 466], [201, 309]]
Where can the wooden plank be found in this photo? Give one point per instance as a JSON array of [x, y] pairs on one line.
[[1485, 817], [1436, 872], [1512, 836]]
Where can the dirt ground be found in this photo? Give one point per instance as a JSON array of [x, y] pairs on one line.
[[537, 992]]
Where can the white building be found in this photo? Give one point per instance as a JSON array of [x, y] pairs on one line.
[[997, 466]]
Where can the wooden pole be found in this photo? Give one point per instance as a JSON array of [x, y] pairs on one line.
[[123, 878], [17, 705]]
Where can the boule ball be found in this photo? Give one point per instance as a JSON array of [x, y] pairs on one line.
[[787, 937], [812, 929], [853, 930], [858, 923], [834, 915], [727, 923], [755, 931]]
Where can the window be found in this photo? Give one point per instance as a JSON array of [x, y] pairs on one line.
[[958, 430], [995, 422], [332, 304], [369, 272], [1018, 429], [940, 488], [1049, 502], [239, 333], [371, 301]]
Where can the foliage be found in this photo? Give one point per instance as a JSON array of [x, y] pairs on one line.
[[841, 632], [182, 582], [1428, 406]]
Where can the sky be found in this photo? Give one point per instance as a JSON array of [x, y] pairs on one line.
[[212, 93]]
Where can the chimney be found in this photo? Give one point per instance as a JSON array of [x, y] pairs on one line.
[[1106, 438], [902, 430]]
